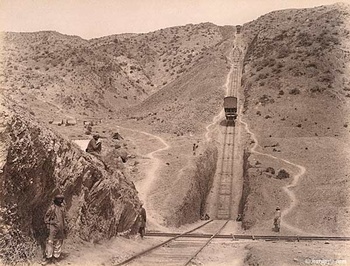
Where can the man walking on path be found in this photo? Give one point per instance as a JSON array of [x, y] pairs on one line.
[[143, 218], [277, 219], [55, 220]]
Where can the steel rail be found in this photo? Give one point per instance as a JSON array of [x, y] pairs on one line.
[[256, 237], [222, 170], [159, 245], [224, 210], [231, 166], [206, 243]]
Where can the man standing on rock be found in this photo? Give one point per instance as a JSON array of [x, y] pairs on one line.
[[142, 217], [277, 219], [55, 220]]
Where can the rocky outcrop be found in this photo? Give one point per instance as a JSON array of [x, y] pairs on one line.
[[36, 165]]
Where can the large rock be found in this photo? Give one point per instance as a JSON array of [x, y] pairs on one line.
[[37, 164]]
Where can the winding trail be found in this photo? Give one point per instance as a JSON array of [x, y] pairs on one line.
[[215, 121], [288, 188], [146, 184]]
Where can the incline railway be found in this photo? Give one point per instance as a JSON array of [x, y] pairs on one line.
[[226, 169], [237, 71], [183, 248], [224, 200]]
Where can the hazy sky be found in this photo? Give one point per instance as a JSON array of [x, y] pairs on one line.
[[96, 18]]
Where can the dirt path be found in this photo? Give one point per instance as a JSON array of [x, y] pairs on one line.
[[145, 186], [218, 117], [288, 188]]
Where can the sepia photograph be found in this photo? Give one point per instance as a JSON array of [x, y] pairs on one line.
[[188, 132]]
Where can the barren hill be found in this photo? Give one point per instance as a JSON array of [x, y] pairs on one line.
[[191, 99], [296, 89], [170, 83], [47, 70]]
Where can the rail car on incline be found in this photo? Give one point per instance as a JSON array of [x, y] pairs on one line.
[[230, 107]]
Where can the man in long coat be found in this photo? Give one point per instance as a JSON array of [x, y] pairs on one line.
[[277, 219], [55, 220], [143, 218]]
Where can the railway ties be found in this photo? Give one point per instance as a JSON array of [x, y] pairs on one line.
[[176, 253], [225, 190], [224, 200], [180, 249]]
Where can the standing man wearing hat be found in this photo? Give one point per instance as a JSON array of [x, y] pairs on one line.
[[277, 219], [55, 220]]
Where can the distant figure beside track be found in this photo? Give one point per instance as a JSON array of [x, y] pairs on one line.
[[277, 219], [142, 221], [194, 148], [205, 217]]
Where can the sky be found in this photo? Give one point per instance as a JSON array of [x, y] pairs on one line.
[[96, 18]]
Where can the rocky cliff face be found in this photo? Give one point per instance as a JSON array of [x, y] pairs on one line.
[[36, 165]]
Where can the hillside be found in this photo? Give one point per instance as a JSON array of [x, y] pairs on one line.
[[48, 71], [192, 99], [163, 91], [296, 90]]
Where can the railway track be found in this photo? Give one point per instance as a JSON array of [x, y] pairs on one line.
[[225, 189], [182, 248], [255, 237], [224, 200], [179, 249], [236, 73]]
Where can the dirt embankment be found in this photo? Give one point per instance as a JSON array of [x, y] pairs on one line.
[[190, 191], [39, 164]]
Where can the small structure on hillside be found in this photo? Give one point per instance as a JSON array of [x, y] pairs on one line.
[[71, 122], [92, 121], [58, 122]]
